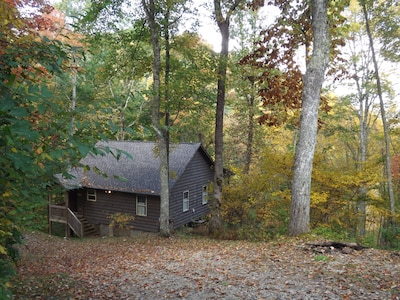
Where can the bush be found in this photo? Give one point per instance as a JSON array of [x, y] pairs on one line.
[[390, 237], [9, 237], [120, 221], [330, 233]]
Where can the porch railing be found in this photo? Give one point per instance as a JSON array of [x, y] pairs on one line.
[[62, 214], [58, 213]]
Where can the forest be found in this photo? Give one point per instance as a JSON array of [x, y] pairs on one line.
[[297, 99]]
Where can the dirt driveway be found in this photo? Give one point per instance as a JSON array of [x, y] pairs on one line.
[[194, 267]]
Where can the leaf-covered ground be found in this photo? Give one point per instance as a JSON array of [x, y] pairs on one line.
[[195, 267]]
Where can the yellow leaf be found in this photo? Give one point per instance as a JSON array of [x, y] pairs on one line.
[[39, 150], [3, 250], [6, 194]]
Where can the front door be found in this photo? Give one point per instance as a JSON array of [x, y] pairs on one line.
[[73, 200]]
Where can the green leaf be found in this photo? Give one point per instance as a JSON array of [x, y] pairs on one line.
[[19, 112], [83, 150], [11, 79]]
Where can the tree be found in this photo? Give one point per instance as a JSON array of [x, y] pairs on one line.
[[313, 80], [244, 138], [340, 179], [223, 25], [385, 15], [120, 82], [382, 107], [151, 13], [363, 98], [35, 141], [192, 89]]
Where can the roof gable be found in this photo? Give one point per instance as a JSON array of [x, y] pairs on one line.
[[138, 173]]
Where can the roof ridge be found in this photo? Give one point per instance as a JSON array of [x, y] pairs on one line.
[[139, 141]]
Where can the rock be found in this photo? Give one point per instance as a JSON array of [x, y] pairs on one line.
[[347, 250]]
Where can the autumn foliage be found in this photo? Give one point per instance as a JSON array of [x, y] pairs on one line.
[[282, 50], [33, 135]]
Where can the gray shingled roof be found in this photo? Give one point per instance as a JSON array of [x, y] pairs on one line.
[[138, 173]]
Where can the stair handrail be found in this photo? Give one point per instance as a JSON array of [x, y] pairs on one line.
[[74, 223]]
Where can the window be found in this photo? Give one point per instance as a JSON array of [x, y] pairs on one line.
[[186, 201], [204, 195], [91, 195], [141, 205]]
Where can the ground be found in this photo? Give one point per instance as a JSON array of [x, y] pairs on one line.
[[196, 267]]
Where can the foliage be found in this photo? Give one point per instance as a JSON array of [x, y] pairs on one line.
[[118, 83], [321, 257], [35, 141], [121, 220], [280, 75], [260, 208], [390, 236], [385, 20], [327, 232]]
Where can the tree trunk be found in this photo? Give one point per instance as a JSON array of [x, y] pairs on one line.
[[73, 99], [383, 113], [162, 140], [300, 206], [363, 115], [250, 132], [215, 204], [216, 201]]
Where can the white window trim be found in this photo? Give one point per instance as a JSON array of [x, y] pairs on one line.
[[91, 195], [141, 205], [204, 195], [185, 201]]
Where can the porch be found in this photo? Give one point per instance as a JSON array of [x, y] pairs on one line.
[[72, 220]]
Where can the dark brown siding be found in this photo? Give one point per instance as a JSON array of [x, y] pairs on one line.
[[197, 174], [107, 204]]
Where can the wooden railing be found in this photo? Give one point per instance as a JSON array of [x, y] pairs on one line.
[[58, 213], [74, 223], [64, 215]]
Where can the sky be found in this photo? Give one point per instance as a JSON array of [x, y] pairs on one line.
[[210, 31]]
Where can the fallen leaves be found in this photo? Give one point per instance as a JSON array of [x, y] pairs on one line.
[[150, 267]]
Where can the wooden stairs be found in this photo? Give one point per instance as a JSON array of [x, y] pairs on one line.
[[87, 228]]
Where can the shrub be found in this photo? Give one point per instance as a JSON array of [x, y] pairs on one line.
[[330, 233], [121, 220], [390, 237]]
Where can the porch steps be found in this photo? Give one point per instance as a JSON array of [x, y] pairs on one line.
[[88, 229]]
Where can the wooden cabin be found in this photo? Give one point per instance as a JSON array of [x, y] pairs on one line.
[[125, 178]]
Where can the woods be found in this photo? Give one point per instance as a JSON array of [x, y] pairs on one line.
[[298, 108]]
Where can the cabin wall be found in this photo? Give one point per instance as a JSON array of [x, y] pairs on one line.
[[106, 204], [197, 174]]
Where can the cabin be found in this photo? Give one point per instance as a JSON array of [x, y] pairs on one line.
[[125, 178]]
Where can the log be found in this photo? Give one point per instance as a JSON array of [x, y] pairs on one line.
[[337, 245]]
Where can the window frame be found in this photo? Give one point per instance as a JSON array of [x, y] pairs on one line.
[[91, 195], [204, 194], [141, 205], [185, 201]]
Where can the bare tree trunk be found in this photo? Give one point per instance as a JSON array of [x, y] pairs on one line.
[[363, 113], [149, 8], [73, 99], [216, 200], [383, 113], [250, 133], [313, 80]]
